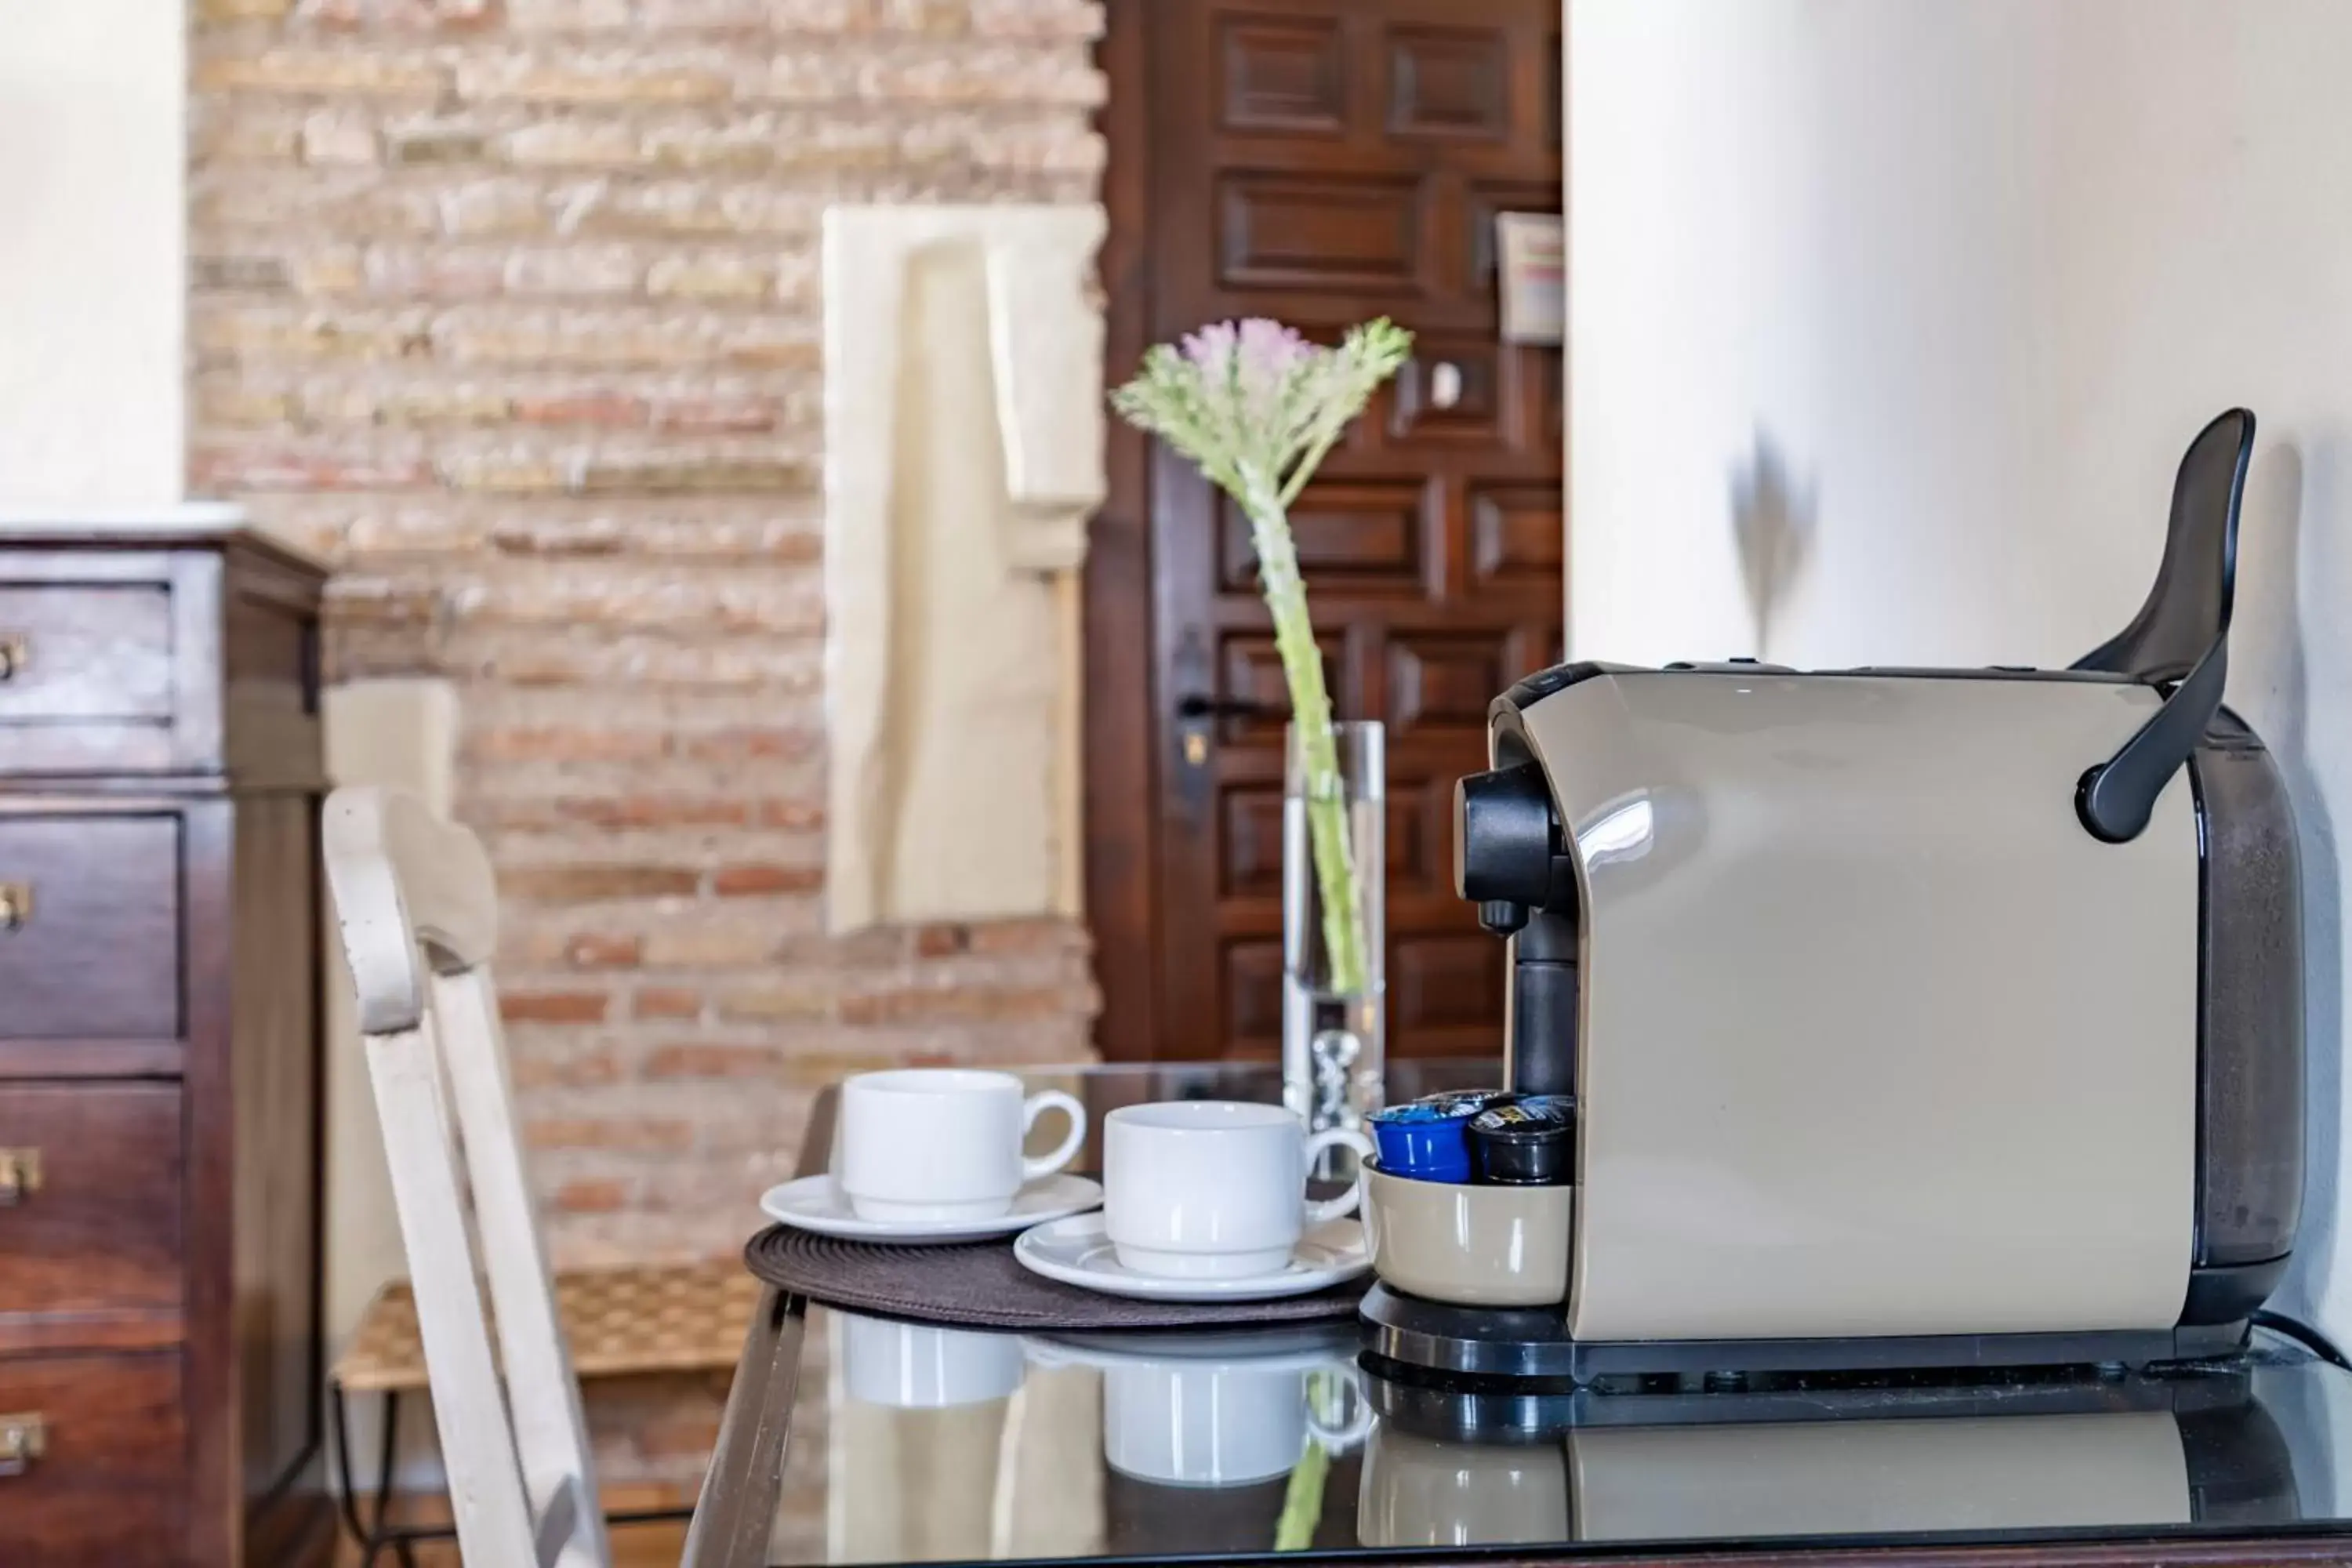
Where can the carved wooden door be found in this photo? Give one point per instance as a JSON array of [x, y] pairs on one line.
[[1323, 161]]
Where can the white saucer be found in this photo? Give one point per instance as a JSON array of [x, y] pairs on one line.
[[1076, 1252], [1283, 1347], [814, 1203]]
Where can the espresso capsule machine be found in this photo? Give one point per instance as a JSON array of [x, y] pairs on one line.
[[1914, 1018]]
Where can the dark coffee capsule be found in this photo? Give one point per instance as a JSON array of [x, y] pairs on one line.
[[1530, 1142]]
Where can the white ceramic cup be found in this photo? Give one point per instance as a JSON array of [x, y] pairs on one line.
[[1213, 1189], [943, 1144], [1421, 1491], [1216, 1424], [915, 1366]]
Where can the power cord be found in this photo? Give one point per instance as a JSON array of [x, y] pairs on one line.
[[2304, 1334]]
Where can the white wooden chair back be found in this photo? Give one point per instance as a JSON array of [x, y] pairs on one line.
[[408, 885]]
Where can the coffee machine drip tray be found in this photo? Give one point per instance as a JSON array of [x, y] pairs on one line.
[[1531, 1346]]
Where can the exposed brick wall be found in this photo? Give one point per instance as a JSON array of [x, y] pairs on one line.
[[510, 308]]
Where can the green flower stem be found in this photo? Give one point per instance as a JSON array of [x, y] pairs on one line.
[[1302, 1501], [1305, 468], [1257, 407], [1318, 750]]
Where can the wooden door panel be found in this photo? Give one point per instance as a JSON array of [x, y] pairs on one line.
[[1449, 82], [1353, 536], [1249, 841], [1418, 859], [1485, 396], [1358, 232], [1444, 681], [1323, 161], [1251, 674], [1282, 74], [1515, 535], [1447, 986], [1498, 607], [1251, 987]]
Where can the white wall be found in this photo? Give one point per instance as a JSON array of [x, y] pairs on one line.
[[92, 240], [1973, 274]]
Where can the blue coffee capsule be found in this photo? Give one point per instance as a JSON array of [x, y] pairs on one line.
[[1423, 1139]]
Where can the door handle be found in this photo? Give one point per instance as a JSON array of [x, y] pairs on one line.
[[20, 1175], [1195, 712], [23, 1439], [1194, 706], [1445, 386]]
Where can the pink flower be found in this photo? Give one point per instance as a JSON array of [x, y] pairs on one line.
[[1252, 360], [1270, 350], [1211, 349]]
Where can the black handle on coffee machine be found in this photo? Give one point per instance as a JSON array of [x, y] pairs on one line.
[[1504, 837], [1510, 860], [2181, 635]]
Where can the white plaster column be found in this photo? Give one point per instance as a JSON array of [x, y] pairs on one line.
[[964, 456]]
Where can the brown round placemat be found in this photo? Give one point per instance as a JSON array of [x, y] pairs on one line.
[[981, 1285]]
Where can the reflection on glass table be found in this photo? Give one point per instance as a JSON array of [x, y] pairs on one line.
[[933, 1445], [951, 1443]]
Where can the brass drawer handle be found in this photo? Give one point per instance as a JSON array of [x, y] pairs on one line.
[[16, 905], [15, 653], [24, 1439], [20, 1175]]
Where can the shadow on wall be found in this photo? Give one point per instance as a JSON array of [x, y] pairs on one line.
[[1773, 520], [2273, 646]]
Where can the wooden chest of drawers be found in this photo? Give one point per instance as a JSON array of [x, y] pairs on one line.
[[159, 1071]]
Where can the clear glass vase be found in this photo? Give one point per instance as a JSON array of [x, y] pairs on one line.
[[1334, 1041]]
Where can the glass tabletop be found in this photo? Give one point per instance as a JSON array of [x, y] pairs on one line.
[[862, 1439]]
